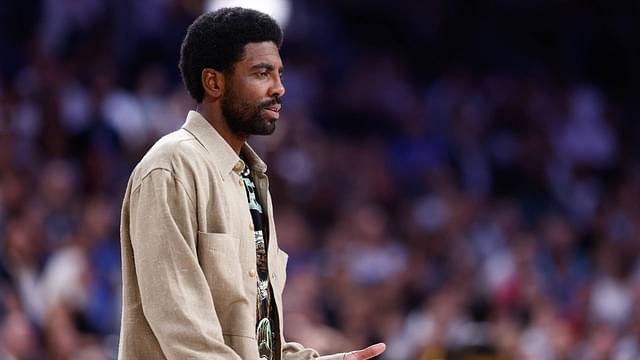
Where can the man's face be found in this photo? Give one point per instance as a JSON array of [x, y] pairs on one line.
[[251, 101]]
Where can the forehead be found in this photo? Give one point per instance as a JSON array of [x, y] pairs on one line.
[[262, 52]]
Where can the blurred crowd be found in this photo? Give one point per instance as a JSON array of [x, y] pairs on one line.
[[455, 212]]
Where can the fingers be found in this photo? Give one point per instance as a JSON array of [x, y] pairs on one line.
[[368, 353]]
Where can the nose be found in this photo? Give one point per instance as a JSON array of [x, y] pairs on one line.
[[278, 88]]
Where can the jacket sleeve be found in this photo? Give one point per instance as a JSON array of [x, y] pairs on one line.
[[176, 299], [295, 351]]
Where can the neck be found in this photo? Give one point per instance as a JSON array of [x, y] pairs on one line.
[[214, 116]]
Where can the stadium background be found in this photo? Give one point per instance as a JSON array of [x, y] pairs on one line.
[[459, 179]]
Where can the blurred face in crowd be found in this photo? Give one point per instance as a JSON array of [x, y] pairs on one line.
[[253, 88], [17, 336]]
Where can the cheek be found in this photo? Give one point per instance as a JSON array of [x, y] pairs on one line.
[[254, 90]]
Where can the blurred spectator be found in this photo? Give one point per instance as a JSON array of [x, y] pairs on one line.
[[18, 339]]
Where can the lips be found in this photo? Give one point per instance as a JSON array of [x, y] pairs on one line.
[[274, 110]]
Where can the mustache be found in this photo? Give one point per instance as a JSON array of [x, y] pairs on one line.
[[275, 101]]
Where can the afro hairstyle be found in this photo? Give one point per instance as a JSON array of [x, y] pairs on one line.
[[217, 39]]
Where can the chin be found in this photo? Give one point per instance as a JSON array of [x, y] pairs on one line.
[[269, 127], [259, 126], [265, 130], [270, 130]]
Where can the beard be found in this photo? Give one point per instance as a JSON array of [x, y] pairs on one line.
[[244, 118]]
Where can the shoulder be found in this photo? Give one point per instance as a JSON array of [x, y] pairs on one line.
[[178, 153]]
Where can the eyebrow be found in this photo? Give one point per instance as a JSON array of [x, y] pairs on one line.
[[266, 66]]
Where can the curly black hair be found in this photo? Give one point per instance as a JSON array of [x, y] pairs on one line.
[[216, 40]]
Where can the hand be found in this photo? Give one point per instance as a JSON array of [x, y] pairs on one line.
[[368, 353]]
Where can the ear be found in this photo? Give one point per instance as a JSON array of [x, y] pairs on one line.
[[212, 82]]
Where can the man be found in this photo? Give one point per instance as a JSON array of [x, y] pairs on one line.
[[202, 272]]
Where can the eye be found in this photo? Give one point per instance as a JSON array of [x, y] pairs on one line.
[[263, 74]]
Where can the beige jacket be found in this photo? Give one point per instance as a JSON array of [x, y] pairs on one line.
[[188, 252]]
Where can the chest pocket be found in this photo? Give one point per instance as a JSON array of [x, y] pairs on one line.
[[219, 259]]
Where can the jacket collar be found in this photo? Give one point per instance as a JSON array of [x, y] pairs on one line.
[[218, 147]]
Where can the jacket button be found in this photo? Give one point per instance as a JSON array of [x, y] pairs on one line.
[[252, 273]]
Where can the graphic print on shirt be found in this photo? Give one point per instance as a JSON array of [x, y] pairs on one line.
[[264, 331], [251, 192]]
